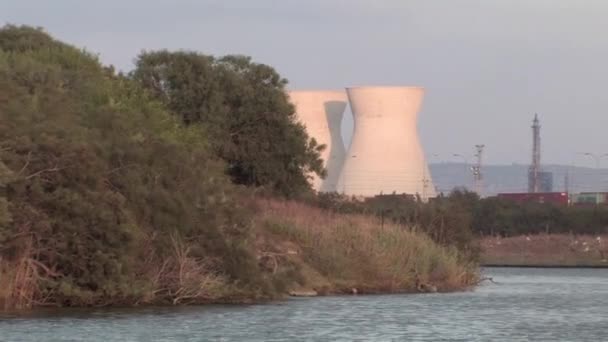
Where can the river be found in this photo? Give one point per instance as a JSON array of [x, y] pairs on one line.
[[522, 305]]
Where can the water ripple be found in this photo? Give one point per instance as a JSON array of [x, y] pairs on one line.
[[523, 305]]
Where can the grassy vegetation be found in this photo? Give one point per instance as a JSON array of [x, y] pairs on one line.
[[340, 252]]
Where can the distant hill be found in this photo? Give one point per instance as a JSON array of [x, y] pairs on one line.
[[513, 178]]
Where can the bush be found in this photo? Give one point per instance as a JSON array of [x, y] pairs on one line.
[[97, 180]]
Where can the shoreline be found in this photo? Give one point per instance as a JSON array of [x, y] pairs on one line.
[[4, 313], [545, 251]]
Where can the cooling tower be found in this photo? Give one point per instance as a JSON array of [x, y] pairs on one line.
[[321, 113], [385, 155]]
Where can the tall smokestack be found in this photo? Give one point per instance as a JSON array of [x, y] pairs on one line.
[[534, 173]]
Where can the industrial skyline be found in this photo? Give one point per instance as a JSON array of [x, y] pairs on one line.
[[486, 64]]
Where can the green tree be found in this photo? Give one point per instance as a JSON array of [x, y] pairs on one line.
[[244, 108], [98, 181]]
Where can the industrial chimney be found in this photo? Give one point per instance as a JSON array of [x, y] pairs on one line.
[[321, 113], [385, 155]]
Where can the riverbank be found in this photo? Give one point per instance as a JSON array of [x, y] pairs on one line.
[[300, 251], [546, 250], [346, 253]]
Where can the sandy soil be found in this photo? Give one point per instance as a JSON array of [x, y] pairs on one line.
[[546, 250]]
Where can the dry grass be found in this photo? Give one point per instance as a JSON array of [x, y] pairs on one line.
[[178, 278], [356, 251], [546, 250], [20, 279], [181, 278], [298, 248]]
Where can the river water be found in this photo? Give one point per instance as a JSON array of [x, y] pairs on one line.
[[523, 305]]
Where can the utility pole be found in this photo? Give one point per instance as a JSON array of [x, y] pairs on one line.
[[426, 180], [477, 175], [425, 183]]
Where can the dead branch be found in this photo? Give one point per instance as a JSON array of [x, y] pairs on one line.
[[46, 269], [53, 169], [116, 169], [27, 162]]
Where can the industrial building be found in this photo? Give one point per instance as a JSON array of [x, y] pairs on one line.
[[321, 112], [385, 155], [543, 181], [589, 198]]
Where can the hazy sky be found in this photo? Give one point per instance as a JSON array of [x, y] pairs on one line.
[[487, 66]]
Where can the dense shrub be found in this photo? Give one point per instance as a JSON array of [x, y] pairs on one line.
[[456, 219], [495, 216], [99, 183]]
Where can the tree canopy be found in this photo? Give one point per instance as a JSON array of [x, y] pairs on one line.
[[243, 107], [100, 183]]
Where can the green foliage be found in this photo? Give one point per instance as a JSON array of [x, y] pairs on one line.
[[98, 179], [243, 107], [495, 216], [447, 220], [114, 189], [458, 218], [339, 252]]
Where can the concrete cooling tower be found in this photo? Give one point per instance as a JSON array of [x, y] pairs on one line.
[[321, 113], [385, 155]]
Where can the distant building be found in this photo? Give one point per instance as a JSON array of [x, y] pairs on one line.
[[544, 179], [590, 198]]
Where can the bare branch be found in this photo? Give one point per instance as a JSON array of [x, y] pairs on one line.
[[53, 169], [120, 168], [27, 162]]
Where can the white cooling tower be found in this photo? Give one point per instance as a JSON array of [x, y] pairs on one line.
[[385, 155], [321, 113]]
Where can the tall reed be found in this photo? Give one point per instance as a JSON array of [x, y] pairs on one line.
[[358, 251]]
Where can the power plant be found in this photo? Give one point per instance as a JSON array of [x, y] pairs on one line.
[[321, 113], [385, 155]]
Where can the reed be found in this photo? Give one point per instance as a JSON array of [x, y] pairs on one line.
[[20, 279], [352, 251]]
